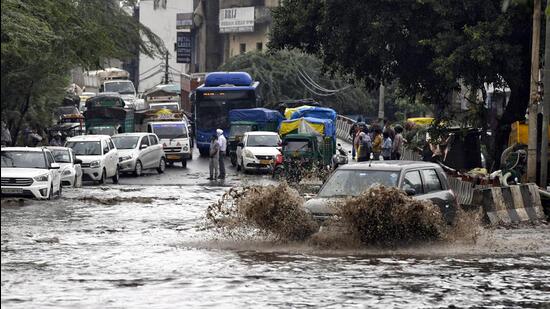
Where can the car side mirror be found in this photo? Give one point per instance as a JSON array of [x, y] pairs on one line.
[[240, 144], [143, 146], [77, 161], [55, 166], [105, 150], [339, 145], [410, 191]]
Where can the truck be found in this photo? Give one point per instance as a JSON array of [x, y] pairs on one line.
[[111, 80], [107, 114], [188, 84], [172, 129], [247, 120]]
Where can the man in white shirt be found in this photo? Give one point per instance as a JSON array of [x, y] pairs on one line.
[[223, 147]]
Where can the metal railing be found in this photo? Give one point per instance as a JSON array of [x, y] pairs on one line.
[[343, 126]]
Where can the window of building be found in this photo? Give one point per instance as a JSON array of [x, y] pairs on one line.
[[242, 48], [259, 46]]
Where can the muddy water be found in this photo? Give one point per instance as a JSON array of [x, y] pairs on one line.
[[150, 246]]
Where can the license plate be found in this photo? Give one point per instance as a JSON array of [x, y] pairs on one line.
[[12, 190], [173, 157], [267, 162]]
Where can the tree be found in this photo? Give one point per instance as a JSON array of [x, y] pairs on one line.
[[427, 46], [42, 40], [283, 75]]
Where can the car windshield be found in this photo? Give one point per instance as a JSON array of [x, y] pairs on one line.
[[172, 107], [296, 145], [61, 155], [354, 182], [262, 141], [240, 129], [126, 142], [85, 148], [122, 87], [170, 130], [23, 159]]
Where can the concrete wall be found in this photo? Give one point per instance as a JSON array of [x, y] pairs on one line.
[[162, 22]]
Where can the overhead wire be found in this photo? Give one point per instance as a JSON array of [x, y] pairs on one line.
[[150, 69]]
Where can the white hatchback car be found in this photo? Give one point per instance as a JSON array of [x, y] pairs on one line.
[[139, 151], [71, 171], [30, 172], [258, 150], [99, 157]]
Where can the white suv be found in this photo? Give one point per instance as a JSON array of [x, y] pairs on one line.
[[99, 157], [30, 172]]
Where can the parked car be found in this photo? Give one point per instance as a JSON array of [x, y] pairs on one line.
[[71, 171], [138, 152], [30, 172], [258, 150], [99, 157], [421, 180]]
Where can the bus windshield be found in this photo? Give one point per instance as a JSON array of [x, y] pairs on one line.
[[212, 108]]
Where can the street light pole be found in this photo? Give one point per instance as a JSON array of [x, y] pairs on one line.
[[533, 97], [543, 181]]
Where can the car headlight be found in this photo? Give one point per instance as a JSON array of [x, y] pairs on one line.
[[185, 148], [66, 172], [94, 163], [248, 154], [124, 158], [43, 177]]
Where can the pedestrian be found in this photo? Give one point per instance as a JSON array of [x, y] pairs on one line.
[[386, 146], [223, 148], [214, 158], [56, 140], [35, 138], [437, 155], [363, 153], [6, 135], [377, 143], [398, 143], [389, 129], [356, 141]]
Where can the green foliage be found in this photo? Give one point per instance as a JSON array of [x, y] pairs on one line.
[[427, 46], [42, 40], [280, 78]]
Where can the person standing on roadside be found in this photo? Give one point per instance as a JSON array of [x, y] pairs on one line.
[[363, 153], [223, 148], [386, 146], [214, 158], [377, 143], [56, 140], [6, 135], [398, 143]]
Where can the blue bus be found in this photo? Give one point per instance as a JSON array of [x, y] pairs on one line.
[[220, 93]]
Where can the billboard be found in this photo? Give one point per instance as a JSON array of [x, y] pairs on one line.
[[237, 20], [184, 47]]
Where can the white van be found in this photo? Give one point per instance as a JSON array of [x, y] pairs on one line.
[[174, 137], [99, 157]]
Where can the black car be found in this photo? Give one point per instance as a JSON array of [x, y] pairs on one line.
[[422, 180]]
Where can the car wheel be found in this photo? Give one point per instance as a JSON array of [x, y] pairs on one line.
[[116, 177], [162, 166], [184, 163], [138, 169], [103, 179]]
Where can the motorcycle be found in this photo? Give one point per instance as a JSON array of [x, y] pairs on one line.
[[339, 158]]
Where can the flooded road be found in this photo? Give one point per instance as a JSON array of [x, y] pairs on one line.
[[146, 244]]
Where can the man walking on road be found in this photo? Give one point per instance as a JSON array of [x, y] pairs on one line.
[[223, 147]]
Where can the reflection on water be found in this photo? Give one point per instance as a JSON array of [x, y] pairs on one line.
[[79, 252]]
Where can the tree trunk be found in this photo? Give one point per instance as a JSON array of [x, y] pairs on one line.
[[24, 111]]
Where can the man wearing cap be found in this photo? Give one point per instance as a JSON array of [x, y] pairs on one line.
[[223, 147]]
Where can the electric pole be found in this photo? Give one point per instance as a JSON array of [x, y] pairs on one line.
[[533, 98], [543, 181], [166, 68]]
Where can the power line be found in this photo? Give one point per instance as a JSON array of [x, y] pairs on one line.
[[149, 70], [152, 75]]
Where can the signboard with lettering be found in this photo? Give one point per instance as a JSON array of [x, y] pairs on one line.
[[237, 20], [184, 21], [184, 47]]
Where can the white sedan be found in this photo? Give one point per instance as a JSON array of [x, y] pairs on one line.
[[30, 172], [71, 171], [258, 150]]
